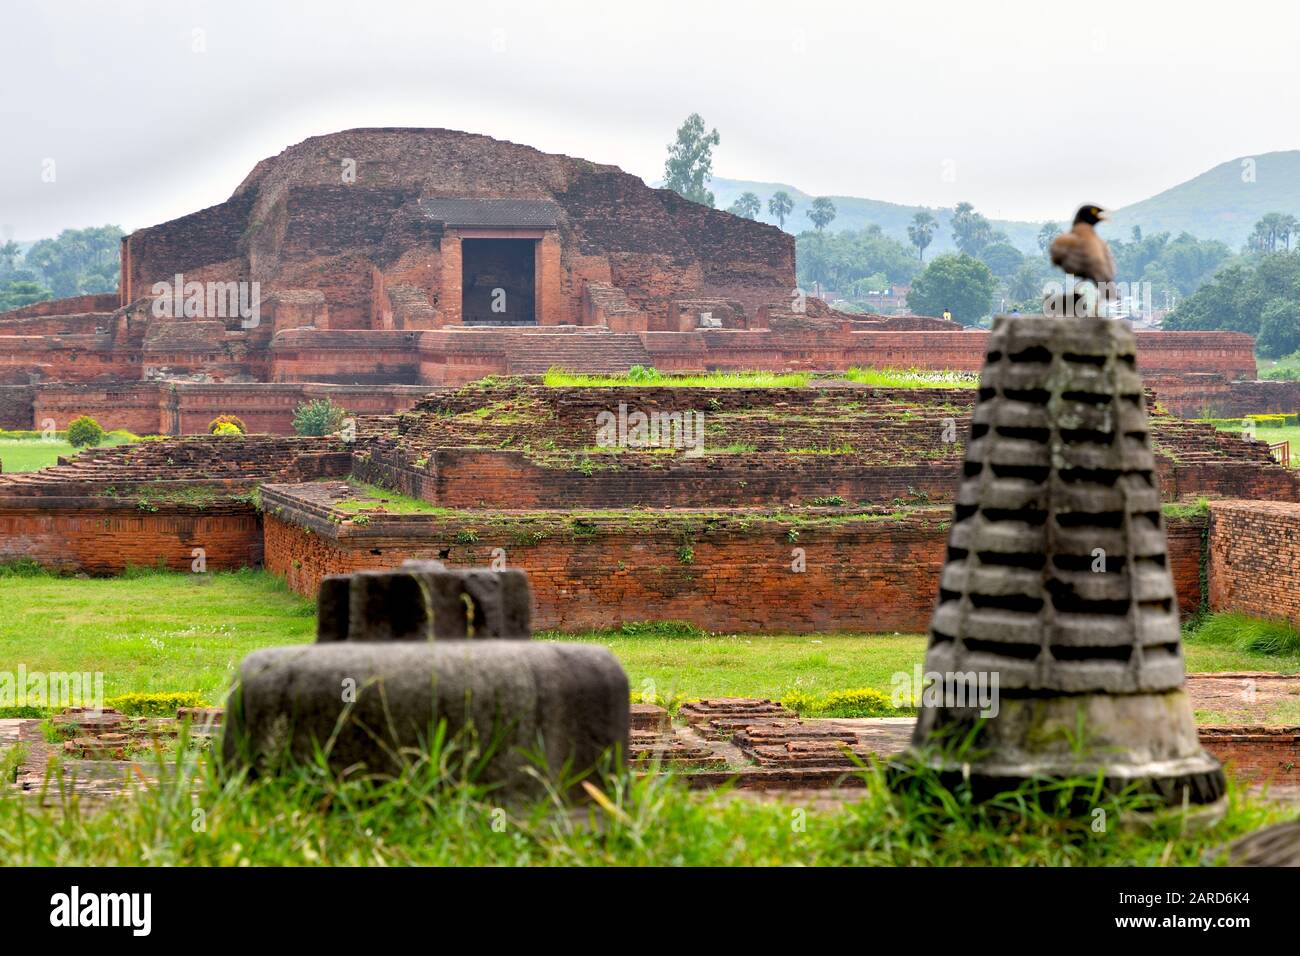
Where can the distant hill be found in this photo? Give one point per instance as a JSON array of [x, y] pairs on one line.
[[1217, 204], [854, 212]]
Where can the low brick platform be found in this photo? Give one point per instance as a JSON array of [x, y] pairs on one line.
[[752, 745]]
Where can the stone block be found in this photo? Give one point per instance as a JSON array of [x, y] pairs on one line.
[[400, 653]]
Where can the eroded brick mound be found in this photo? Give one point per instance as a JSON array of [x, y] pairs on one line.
[[209, 460], [523, 445], [295, 223]]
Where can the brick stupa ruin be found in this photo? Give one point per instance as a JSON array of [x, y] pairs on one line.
[[391, 260]]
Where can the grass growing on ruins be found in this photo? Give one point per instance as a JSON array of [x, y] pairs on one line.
[[559, 378], [912, 378], [374, 498], [28, 451], [154, 631], [433, 815], [1240, 632]]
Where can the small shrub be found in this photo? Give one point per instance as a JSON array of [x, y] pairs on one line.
[[22, 568], [160, 704], [84, 432], [661, 629], [642, 373], [318, 417], [234, 421], [228, 429], [860, 702], [10, 761], [857, 702]]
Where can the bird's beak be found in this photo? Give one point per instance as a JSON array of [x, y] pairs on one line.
[[1103, 216]]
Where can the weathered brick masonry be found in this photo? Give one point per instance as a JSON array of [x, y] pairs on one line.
[[98, 536], [1256, 755], [1254, 558], [722, 571], [153, 503]]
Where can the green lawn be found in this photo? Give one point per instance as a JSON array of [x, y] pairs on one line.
[[168, 631], [883, 377], [33, 454], [560, 378], [149, 632]]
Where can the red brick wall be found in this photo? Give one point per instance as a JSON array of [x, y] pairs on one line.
[[134, 406], [150, 408], [864, 576], [470, 478], [105, 538], [1254, 558], [1256, 754], [96, 302]]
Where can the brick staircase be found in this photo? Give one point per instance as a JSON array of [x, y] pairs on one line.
[[591, 352]]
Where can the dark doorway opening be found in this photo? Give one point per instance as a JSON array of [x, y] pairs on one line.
[[498, 281]]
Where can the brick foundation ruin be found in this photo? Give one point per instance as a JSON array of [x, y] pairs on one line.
[[848, 484]]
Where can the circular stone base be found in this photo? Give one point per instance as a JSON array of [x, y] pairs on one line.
[[1145, 743]]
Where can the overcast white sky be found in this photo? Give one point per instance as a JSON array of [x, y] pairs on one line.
[[1036, 104]]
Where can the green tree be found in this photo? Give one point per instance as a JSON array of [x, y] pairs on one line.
[[689, 166], [1002, 258], [970, 230], [1048, 232], [79, 260], [9, 253], [21, 292], [920, 232], [1240, 293], [838, 260], [1287, 227], [1279, 328], [821, 213], [747, 206], [780, 206], [84, 432], [961, 284], [318, 417], [1026, 286]]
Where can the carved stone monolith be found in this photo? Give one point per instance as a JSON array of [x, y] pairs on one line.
[[1055, 639]]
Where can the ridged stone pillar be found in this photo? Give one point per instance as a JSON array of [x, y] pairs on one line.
[[1056, 587]]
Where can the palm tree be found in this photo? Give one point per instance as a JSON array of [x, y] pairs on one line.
[[780, 205], [1269, 231], [1046, 234], [1287, 227], [747, 206], [9, 253], [822, 212], [920, 232]]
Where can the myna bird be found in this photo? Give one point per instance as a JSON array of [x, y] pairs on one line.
[[1084, 254]]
